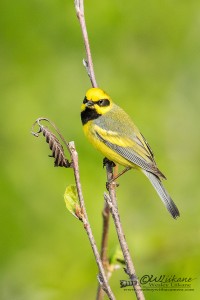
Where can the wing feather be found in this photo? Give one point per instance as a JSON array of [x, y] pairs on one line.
[[125, 148]]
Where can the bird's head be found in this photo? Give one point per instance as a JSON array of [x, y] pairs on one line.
[[97, 100]]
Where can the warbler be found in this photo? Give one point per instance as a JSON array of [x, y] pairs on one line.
[[111, 131]]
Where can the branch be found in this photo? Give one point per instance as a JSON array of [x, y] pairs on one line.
[[112, 203], [88, 64], [102, 276], [104, 246]]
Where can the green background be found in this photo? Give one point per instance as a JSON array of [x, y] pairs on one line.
[[147, 57]]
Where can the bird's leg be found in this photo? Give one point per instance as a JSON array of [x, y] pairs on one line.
[[112, 164], [121, 173]]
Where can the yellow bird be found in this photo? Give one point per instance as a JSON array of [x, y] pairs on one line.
[[112, 132]]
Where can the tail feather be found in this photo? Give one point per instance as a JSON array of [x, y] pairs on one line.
[[164, 196]]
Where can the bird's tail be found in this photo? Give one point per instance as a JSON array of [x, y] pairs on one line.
[[164, 196]]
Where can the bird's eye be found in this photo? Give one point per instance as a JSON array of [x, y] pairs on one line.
[[104, 102], [85, 100]]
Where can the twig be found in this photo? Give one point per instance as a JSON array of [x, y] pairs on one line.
[[104, 243], [79, 6], [104, 246], [102, 276], [112, 203]]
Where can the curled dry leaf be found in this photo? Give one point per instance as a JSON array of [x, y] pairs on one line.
[[54, 143]]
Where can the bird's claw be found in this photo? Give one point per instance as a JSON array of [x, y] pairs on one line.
[[107, 161], [113, 183]]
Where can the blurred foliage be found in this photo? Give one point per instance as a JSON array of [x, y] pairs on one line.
[[146, 56]]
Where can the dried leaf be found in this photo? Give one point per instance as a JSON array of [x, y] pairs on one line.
[[56, 147], [54, 143]]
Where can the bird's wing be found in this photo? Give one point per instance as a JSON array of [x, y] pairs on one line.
[[132, 149]]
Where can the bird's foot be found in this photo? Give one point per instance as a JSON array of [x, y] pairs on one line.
[[111, 183], [107, 161]]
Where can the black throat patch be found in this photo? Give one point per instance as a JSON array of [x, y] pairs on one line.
[[89, 114]]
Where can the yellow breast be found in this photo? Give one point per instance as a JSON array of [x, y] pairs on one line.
[[89, 131]]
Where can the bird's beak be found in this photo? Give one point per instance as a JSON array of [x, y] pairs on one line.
[[89, 103]]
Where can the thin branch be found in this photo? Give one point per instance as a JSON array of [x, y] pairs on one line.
[[79, 6], [104, 246], [104, 243], [102, 276], [111, 200]]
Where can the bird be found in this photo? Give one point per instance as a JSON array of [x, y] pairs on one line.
[[111, 131]]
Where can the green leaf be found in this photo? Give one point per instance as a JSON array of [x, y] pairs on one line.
[[71, 201], [116, 258]]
